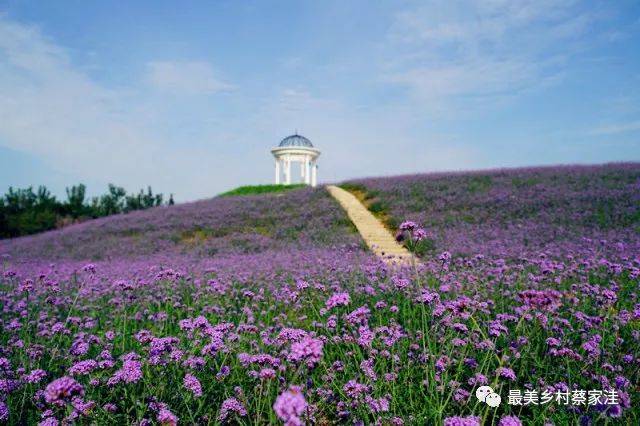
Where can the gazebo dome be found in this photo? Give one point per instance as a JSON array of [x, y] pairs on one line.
[[295, 140]]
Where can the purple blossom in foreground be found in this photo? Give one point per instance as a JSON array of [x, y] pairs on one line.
[[224, 372], [267, 373], [591, 346], [509, 421], [462, 421], [400, 283], [290, 406], [130, 372], [231, 406], [408, 225], [380, 405], [338, 299], [62, 390], [507, 373], [167, 418], [419, 234], [308, 349], [83, 367], [191, 383], [354, 390], [4, 412], [367, 367], [35, 376]]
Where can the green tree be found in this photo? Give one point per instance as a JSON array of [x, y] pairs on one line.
[[75, 201]]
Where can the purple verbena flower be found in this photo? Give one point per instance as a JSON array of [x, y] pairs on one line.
[[229, 406], [408, 225], [82, 368], [308, 349], [62, 390], [507, 373], [462, 421], [338, 299], [4, 412], [192, 383], [509, 421], [290, 406], [35, 376], [167, 418]]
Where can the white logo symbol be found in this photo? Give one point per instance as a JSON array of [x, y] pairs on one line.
[[487, 395]]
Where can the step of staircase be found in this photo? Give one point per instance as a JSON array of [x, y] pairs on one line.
[[375, 235]]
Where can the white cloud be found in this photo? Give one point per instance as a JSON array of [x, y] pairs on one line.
[[191, 78], [617, 128], [51, 109], [448, 50], [477, 78]]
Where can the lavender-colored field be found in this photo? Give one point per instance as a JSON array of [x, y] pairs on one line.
[[302, 218], [162, 317], [520, 212]]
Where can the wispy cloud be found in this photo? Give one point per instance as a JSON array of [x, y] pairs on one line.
[[613, 129], [48, 107], [51, 109], [484, 49], [191, 78]]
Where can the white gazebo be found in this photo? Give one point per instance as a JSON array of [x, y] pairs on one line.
[[298, 149]]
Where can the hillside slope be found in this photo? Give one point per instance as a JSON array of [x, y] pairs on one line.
[[223, 225], [515, 212]]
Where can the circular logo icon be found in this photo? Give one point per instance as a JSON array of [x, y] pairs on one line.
[[493, 400], [482, 392]]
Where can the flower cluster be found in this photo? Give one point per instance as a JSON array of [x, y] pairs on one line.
[[308, 349], [290, 406]]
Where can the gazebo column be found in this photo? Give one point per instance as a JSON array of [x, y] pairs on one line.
[[314, 173], [277, 171], [307, 175], [288, 173]]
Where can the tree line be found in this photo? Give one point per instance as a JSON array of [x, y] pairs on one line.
[[25, 211]]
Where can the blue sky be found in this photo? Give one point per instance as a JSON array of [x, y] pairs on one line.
[[190, 96]]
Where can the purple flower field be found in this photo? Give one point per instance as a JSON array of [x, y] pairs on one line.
[[516, 212], [225, 225], [163, 317]]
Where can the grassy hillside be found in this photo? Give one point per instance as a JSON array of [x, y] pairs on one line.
[[513, 212], [249, 224], [261, 189]]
